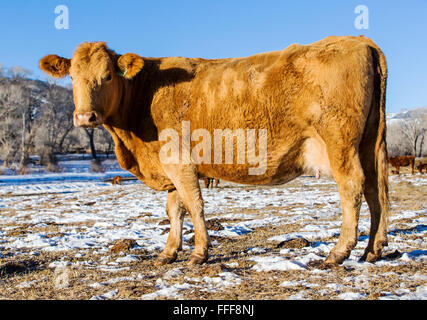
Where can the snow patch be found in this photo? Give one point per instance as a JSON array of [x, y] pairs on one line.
[[271, 263]]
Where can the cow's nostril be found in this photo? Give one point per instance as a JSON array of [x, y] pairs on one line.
[[92, 117]]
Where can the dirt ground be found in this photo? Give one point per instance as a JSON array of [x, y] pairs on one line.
[[231, 271]]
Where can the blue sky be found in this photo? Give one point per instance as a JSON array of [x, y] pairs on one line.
[[220, 29]]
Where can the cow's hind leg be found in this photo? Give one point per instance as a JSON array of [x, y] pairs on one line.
[[176, 212], [378, 231], [348, 174], [377, 200]]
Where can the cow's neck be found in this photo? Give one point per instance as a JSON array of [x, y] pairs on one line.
[[135, 135], [132, 118]]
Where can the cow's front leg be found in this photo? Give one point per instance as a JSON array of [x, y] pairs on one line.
[[176, 212], [186, 182]]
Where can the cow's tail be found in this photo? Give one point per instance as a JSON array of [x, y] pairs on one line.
[[376, 124], [381, 145]]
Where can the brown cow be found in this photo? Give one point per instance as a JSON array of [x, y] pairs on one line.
[[421, 164], [421, 167], [117, 180], [289, 112], [402, 161]]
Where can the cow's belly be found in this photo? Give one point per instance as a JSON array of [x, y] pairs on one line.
[[280, 169], [240, 175], [307, 156]]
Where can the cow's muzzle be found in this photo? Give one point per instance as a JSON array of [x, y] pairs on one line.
[[87, 119]]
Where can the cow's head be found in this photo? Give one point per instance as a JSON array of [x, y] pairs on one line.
[[96, 73]]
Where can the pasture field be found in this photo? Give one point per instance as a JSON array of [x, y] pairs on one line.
[[91, 240]]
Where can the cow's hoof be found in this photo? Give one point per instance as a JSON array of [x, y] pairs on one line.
[[370, 257], [196, 259], [163, 259], [335, 258], [319, 264], [374, 253]]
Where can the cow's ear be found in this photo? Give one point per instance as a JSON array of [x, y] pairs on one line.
[[55, 66], [129, 65]]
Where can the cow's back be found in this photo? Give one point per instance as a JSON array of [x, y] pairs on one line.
[[300, 96]]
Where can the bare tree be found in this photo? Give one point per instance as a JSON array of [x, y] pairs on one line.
[[104, 141], [18, 109], [396, 144], [8, 136], [91, 136], [413, 130], [2, 71], [95, 165], [54, 122], [18, 72]]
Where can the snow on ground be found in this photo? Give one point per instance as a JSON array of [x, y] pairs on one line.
[[74, 169], [89, 214]]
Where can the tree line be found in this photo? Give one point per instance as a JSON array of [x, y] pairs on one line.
[[406, 133]]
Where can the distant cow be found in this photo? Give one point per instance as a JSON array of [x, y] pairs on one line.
[[402, 161], [421, 164], [211, 182], [286, 113], [421, 167], [117, 180]]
